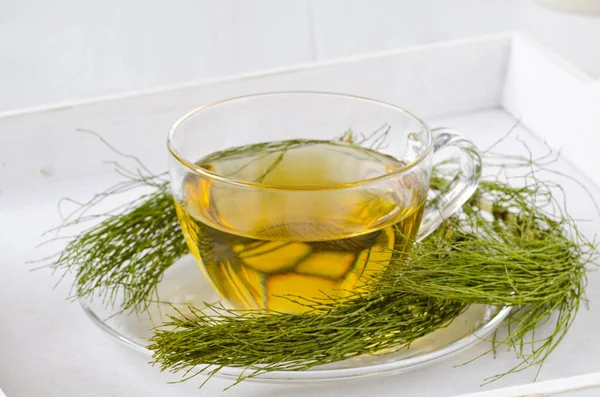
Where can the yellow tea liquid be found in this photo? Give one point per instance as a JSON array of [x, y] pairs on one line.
[[258, 246]]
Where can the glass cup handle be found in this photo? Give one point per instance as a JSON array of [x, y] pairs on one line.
[[460, 188]]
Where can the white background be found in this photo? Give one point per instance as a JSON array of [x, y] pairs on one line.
[[65, 50]]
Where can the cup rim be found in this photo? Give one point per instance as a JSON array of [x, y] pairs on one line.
[[214, 176]]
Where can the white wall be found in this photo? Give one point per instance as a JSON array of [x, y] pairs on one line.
[[63, 50]]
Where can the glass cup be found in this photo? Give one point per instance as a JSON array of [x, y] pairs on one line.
[[292, 198]]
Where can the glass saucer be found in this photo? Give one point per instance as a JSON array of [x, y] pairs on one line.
[[184, 284]]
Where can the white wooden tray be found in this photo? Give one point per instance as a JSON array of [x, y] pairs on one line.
[[49, 348]]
